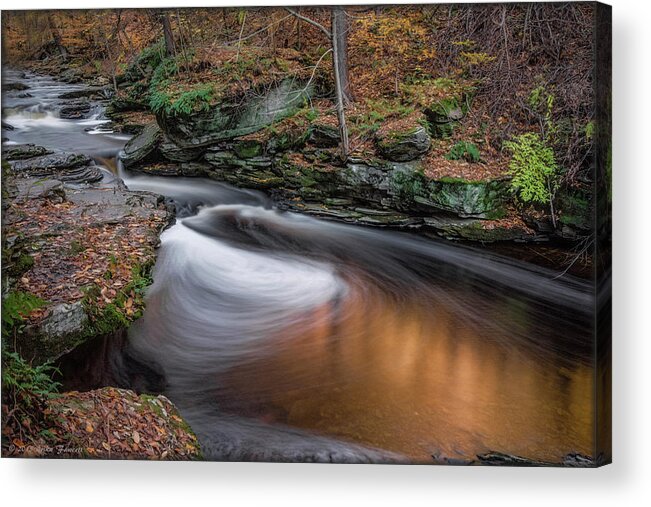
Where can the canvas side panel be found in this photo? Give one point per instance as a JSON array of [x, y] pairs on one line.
[[603, 233]]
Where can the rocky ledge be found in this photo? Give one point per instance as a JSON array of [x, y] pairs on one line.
[[78, 249], [79, 243]]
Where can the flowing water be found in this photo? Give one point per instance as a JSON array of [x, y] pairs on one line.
[[285, 337]]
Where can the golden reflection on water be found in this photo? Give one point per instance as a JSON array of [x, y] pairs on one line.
[[416, 381]]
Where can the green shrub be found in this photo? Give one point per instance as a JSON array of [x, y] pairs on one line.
[[464, 150], [25, 388], [533, 168]]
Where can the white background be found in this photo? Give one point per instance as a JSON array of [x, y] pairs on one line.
[[626, 482]]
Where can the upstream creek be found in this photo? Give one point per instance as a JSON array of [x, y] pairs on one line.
[[284, 337]]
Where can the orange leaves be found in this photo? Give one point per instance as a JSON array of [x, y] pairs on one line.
[[387, 47], [107, 423], [73, 249]]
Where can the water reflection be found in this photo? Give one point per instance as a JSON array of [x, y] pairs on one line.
[[415, 380]]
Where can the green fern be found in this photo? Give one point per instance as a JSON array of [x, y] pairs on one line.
[[15, 307], [533, 168], [464, 150]]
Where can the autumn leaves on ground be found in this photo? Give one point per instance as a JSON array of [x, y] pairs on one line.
[[454, 102]]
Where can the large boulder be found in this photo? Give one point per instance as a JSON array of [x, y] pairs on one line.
[[410, 189], [467, 199], [143, 147], [234, 118], [404, 145], [57, 334]]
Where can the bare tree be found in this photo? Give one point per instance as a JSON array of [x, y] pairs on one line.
[[338, 39], [340, 50], [56, 36]]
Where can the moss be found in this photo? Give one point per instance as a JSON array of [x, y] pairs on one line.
[[407, 185], [248, 149], [112, 317]]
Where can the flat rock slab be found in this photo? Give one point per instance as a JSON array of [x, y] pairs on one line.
[[10, 87], [91, 93], [78, 238], [47, 164], [23, 151]]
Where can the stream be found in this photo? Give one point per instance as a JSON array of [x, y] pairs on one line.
[[284, 337]]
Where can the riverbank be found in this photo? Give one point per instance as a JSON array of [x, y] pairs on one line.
[[78, 249], [411, 168]]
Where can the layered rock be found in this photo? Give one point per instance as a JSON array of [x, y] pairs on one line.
[[229, 120], [143, 147], [31, 161]]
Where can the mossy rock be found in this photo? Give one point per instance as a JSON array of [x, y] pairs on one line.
[[404, 145], [221, 158], [233, 118], [476, 199], [143, 147], [444, 116], [309, 181], [293, 139], [407, 185], [247, 149], [23, 151], [575, 210], [475, 230]]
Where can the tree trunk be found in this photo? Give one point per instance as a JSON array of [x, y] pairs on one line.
[[340, 41], [337, 37], [170, 46], [56, 36]]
